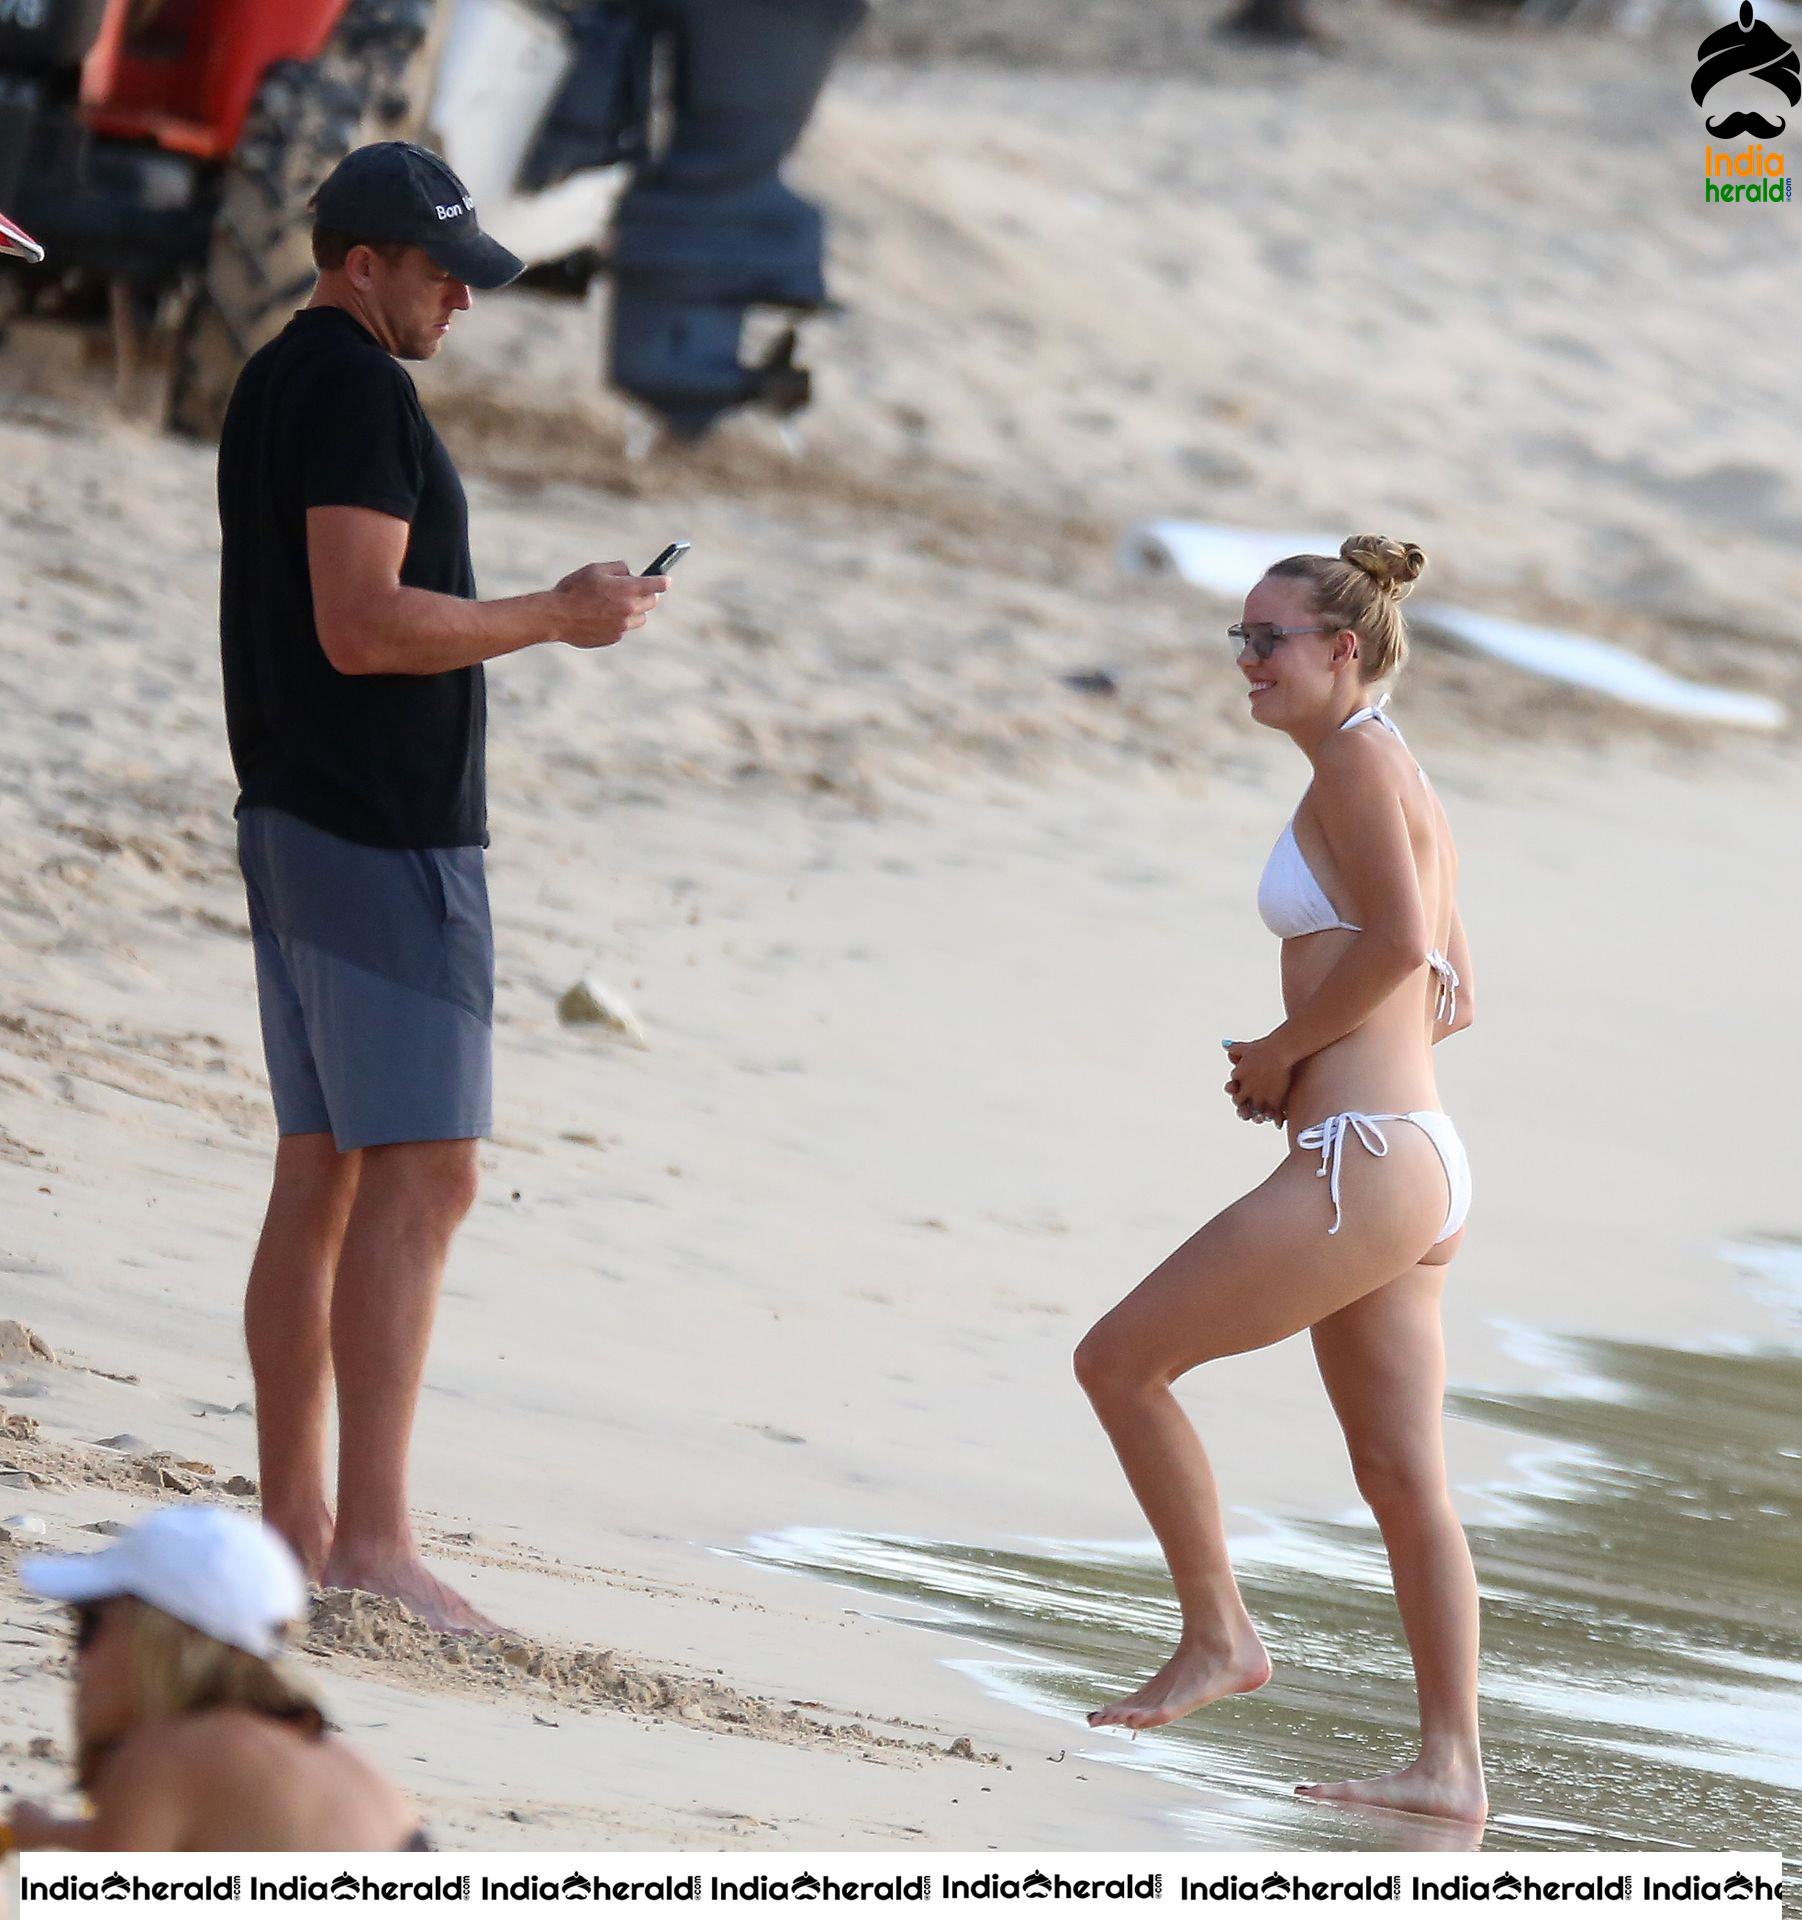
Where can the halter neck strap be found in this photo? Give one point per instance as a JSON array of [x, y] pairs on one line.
[[1375, 711]]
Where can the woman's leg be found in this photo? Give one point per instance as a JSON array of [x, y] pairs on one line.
[[1383, 1361], [1260, 1271]]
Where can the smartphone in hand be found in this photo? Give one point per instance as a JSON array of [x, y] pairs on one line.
[[666, 560]]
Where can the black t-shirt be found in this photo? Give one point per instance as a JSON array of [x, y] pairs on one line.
[[323, 416]]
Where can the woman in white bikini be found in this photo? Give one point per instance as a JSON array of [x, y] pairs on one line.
[[1351, 1234]]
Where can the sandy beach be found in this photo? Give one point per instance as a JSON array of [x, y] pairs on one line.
[[933, 951]]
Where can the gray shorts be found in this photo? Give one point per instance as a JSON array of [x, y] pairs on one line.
[[375, 976]]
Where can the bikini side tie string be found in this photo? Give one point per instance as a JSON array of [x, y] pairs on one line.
[[1329, 1138], [1445, 1007]]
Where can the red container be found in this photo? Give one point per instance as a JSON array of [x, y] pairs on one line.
[[183, 72]]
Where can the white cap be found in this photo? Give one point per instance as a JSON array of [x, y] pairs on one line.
[[220, 1572]]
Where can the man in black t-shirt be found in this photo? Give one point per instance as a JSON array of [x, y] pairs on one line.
[[353, 646]]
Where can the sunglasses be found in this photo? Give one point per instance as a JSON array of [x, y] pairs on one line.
[[1263, 639], [88, 1620]]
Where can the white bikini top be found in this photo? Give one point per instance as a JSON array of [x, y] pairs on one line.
[[1291, 902]]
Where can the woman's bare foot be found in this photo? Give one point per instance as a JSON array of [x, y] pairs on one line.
[[1194, 1676], [418, 1589], [1451, 1791]]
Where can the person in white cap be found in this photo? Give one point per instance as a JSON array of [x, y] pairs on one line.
[[189, 1736]]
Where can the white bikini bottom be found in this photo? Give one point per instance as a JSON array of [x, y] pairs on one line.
[[1328, 1139]]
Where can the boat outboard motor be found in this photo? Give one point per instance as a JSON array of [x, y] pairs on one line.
[[708, 229], [602, 111]]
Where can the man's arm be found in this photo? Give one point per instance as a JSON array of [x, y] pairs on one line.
[[369, 623]]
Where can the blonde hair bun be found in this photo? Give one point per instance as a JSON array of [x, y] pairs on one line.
[[1394, 565], [1360, 590]]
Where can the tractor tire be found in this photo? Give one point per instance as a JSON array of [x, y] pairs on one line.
[[369, 84]]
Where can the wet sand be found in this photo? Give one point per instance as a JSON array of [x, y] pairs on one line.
[[1641, 1676]]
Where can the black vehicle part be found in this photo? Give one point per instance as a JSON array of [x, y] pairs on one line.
[[1275, 22], [710, 229], [121, 211], [602, 111], [51, 37], [567, 278], [259, 266]]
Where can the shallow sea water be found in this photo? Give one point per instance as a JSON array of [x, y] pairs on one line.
[[1642, 1616]]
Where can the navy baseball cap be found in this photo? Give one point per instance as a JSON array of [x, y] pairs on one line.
[[397, 191]]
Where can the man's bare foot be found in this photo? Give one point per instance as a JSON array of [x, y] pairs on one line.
[[1194, 1676], [1446, 1792], [308, 1531], [413, 1584]]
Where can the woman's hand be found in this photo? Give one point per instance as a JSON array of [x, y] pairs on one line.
[[1262, 1071]]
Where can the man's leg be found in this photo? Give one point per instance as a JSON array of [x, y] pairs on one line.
[[390, 955], [410, 1201], [287, 1315], [287, 1304]]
